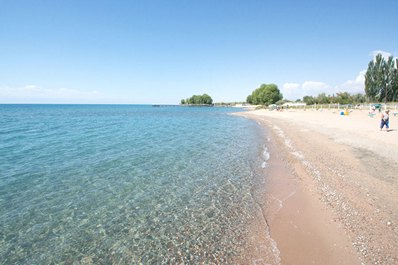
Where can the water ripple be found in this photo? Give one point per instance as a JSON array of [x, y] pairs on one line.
[[125, 184]]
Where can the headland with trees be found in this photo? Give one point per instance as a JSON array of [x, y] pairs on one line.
[[198, 100]]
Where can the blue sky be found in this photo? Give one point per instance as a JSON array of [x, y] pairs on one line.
[[162, 51]]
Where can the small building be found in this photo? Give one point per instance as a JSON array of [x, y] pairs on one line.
[[294, 104]]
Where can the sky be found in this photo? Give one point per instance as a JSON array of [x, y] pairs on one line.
[[159, 52]]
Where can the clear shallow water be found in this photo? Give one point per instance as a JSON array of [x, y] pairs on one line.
[[126, 184]]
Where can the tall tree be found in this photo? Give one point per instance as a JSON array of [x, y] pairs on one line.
[[394, 83], [373, 78], [381, 83], [390, 70], [370, 82]]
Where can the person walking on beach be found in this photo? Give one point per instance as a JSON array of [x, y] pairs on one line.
[[385, 119]]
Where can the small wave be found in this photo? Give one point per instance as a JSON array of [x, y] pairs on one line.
[[265, 156]]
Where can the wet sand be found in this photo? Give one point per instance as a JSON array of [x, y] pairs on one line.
[[332, 194]]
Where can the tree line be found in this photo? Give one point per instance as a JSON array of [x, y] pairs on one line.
[[338, 98], [198, 100], [268, 94]]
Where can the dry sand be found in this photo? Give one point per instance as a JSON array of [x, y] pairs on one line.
[[332, 195]]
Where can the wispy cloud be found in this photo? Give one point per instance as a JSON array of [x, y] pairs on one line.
[[37, 94]]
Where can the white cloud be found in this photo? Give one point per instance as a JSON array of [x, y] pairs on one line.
[[383, 53], [293, 91], [354, 86], [290, 86], [314, 86], [37, 94]]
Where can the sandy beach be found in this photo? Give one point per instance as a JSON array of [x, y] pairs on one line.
[[332, 191]]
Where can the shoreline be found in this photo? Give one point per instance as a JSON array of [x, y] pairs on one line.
[[330, 199]]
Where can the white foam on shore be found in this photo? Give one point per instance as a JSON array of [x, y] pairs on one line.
[[329, 194], [288, 143], [266, 156], [298, 154], [270, 251]]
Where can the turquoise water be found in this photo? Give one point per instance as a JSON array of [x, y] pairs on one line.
[[121, 184]]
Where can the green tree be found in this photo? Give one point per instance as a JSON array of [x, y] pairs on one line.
[[390, 75], [372, 78], [266, 94], [381, 79], [322, 99], [249, 99], [394, 81], [358, 98], [332, 99], [343, 98], [206, 99], [309, 100], [195, 99]]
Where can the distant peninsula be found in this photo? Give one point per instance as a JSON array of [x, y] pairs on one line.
[[198, 100]]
